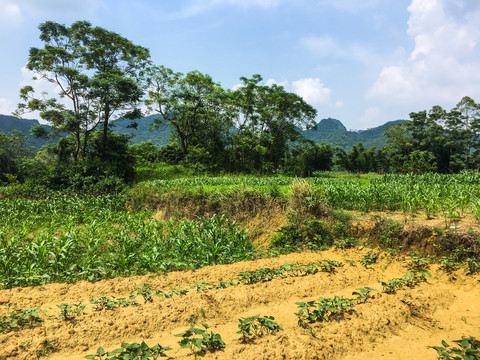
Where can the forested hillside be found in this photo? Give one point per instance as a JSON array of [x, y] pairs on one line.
[[329, 131]]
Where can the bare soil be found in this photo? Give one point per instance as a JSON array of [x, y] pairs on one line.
[[390, 326]]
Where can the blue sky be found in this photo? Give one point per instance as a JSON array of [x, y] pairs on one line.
[[363, 62]]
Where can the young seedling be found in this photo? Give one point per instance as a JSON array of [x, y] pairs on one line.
[[198, 345], [19, 319], [70, 311], [363, 294], [256, 326], [131, 351], [469, 349], [369, 259]]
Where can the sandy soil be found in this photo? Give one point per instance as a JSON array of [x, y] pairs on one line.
[[396, 326]]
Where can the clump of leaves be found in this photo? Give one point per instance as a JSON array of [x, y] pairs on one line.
[[106, 303], [133, 351], [418, 263], [469, 349], [19, 319], [448, 264], [325, 309], [146, 292], [200, 344], [370, 258], [473, 266], [70, 311], [363, 294], [345, 243], [410, 279], [256, 326]]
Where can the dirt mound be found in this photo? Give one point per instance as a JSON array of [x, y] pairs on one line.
[[392, 326]]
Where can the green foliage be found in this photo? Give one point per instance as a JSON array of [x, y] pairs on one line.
[[72, 238], [133, 351], [369, 258], [473, 266], [325, 309], [106, 303], [363, 294], [256, 326], [70, 311], [200, 344], [469, 349], [19, 319], [410, 279], [287, 270]]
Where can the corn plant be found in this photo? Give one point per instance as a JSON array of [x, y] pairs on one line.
[[469, 349]]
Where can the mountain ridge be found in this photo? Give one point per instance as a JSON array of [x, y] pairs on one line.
[[330, 131]]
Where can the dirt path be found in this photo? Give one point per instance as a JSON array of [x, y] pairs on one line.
[[390, 326]]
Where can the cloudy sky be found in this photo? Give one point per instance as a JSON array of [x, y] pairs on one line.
[[363, 62]]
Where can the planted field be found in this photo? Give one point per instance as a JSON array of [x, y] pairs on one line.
[[234, 268], [292, 306]]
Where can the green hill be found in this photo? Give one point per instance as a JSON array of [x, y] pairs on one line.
[[329, 131], [333, 132]]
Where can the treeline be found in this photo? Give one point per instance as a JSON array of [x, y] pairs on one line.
[[255, 128], [102, 76], [431, 141]]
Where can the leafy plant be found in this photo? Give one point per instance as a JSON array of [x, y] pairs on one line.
[[133, 351], [448, 264], [70, 311], [256, 326], [19, 319], [369, 258], [473, 266], [106, 303], [363, 294], [146, 292], [469, 349], [197, 345], [325, 309]]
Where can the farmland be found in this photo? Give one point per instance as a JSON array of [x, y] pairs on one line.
[[348, 267]]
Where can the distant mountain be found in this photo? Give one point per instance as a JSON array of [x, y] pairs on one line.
[[9, 123], [333, 132], [329, 131], [159, 136]]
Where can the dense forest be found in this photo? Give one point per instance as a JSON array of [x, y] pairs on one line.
[[253, 129]]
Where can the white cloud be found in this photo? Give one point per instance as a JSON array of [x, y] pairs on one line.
[[443, 65], [6, 106], [36, 8], [323, 45], [371, 117], [349, 5], [312, 90], [195, 7], [10, 14], [270, 82], [237, 86]]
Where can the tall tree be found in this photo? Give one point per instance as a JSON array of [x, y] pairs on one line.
[[272, 116], [194, 105], [98, 76]]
